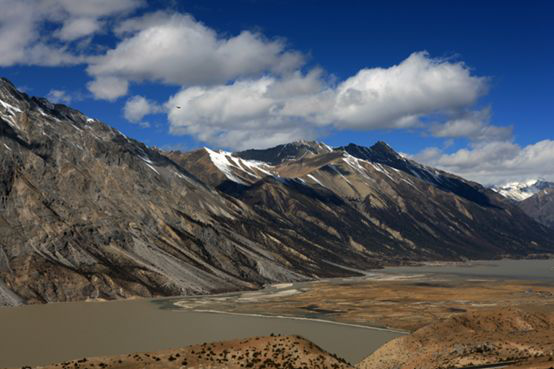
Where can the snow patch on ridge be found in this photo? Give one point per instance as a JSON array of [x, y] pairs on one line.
[[315, 180], [10, 107], [232, 166], [9, 114]]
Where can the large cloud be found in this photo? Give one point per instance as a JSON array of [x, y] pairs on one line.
[[176, 49], [398, 96], [239, 89], [82, 18], [395, 97], [496, 162], [252, 113], [22, 22]]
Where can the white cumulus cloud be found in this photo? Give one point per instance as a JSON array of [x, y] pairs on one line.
[[76, 28], [265, 108], [252, 113], [176, 49], [137, 107], [241, 88], [22, 23], [396, 97], [108, 88]]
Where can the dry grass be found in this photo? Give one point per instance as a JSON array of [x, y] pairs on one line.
[[477, 338]]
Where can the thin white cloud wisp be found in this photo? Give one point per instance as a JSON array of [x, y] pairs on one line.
[[496, 162]]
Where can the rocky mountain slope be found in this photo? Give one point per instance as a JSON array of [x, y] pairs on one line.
[[377, 194], [540, 207], [477, 338], [86, 212]]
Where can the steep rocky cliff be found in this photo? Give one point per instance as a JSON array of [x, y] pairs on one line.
[[540, 207]]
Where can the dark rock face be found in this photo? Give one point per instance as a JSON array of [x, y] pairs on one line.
[[281, 153], [86, 212], [541, 207]]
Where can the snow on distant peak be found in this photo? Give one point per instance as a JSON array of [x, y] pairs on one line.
[[239, 170], [520, 191]]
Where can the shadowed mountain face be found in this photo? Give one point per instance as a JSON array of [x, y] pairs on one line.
[[540, 207], [384, 154], [86, 212], [286, 152]]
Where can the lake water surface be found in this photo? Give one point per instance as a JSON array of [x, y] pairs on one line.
[[41, 334], [536, 270]]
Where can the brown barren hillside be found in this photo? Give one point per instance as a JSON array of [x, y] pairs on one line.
[[476, 338], [285, 352], [88, 213]]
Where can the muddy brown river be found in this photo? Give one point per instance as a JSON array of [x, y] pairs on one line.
[[42, 334]]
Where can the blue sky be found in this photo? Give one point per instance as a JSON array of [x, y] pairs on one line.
[[465, 86]]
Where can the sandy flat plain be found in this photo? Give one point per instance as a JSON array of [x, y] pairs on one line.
[[403, 303]]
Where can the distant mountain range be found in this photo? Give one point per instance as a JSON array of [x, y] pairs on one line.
[[86, 212], [519, 191], [535, 197]]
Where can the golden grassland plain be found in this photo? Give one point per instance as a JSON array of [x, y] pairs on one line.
[[402, 304]]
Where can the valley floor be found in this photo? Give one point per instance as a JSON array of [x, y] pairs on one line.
[[399, 302], [455, 322]]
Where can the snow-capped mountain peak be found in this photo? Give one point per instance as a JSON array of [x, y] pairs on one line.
[[520, 191]]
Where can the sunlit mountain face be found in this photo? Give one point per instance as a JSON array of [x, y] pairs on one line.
[[80, 199]]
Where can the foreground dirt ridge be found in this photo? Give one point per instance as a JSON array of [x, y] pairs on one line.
[[474, 339], [286, 352]]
